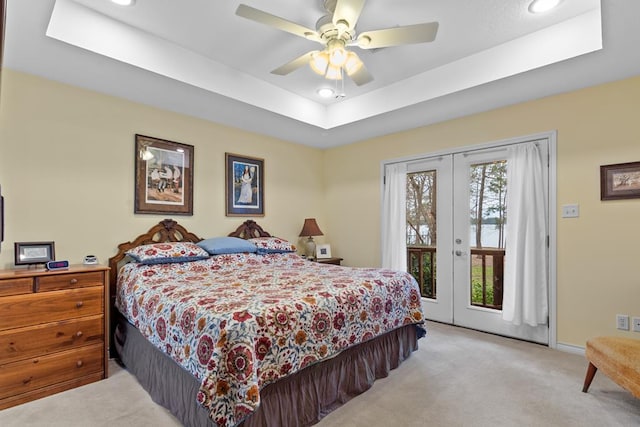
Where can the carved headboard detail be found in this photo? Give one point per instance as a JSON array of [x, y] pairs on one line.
[[249, 230]]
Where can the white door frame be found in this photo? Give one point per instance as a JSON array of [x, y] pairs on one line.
[[552, 137]]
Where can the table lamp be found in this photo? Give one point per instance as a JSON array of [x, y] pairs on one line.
[[310, 229]]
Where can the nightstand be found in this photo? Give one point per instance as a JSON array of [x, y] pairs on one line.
[[335, 261]]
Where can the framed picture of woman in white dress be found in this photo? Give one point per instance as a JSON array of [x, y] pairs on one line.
[[244, 191]]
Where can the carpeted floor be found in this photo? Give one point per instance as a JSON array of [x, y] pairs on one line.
[[458, 377]]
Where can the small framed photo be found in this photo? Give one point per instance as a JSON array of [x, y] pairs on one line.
[[323, 251], [164, 177], [620, 181], [34, 252], [244, 185]]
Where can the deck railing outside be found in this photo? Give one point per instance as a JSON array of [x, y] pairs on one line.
[[487, 274], [421, 263]]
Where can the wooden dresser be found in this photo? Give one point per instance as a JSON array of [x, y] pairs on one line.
[[53, 331]]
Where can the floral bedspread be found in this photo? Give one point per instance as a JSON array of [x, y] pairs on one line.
[[239, 322]]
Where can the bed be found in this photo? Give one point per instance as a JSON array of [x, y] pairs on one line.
[[262, 338]]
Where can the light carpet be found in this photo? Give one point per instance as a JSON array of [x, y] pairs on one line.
[[458, 377]]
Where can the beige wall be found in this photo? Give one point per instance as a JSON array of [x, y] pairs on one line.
[[80, 143], [67, 170], [598, 253]]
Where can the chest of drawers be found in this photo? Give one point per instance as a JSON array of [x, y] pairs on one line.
[[53, 331]]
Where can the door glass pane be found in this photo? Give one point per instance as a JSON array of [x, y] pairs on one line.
[[421, 230], [487, 214]]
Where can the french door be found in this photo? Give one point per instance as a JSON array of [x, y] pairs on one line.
[[456, 217]]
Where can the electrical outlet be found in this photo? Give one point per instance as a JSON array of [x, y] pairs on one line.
[[635, 321], [622, 322]]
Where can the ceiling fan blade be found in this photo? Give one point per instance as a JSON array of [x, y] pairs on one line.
[[300, 61], [348, 11], [275, 21], [362, 76], [418, 33]]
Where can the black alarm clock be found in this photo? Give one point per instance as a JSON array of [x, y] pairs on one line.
[[57, 265]]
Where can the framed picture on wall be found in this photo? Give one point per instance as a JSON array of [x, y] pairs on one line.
[[164, 177], [244, 185], [620, 181]]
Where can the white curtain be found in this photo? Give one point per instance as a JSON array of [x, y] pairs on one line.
[[525, 298], [394, 214]]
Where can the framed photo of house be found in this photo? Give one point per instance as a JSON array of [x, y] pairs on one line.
[[620, 181], [323, 251], [244, 185], [34, 252], [164, 177]]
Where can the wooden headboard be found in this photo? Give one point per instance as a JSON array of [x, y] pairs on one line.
[[249, 230], [169, 230]]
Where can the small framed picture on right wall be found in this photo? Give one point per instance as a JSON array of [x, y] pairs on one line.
[[620, 181], [323, 251]]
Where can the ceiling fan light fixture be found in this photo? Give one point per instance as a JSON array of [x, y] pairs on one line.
[[541, 6], [334, 73], [337, 53], [338, 57], [353, 64], [319, 62]]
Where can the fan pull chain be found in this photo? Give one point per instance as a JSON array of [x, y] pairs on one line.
[[340, 94]]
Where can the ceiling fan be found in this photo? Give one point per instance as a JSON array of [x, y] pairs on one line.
[[337, 31]]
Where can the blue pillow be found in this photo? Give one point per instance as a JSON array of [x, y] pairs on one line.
[[227, 245]]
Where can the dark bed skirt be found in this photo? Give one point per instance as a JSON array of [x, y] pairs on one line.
[[301, 399]]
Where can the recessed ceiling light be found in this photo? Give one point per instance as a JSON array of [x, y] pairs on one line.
[[540, 6], [124, 2], [325, 92]]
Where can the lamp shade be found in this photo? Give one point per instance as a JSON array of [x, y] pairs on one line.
[[310, 228]]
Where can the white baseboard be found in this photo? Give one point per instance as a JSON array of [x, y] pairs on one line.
[[568, 348]]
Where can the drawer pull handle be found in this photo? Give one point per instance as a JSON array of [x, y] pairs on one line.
[[79, 334], [79, 363], [73, 281], [79, 304]]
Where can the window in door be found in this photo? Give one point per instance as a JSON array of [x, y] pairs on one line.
[[422, 230], [487, 216]]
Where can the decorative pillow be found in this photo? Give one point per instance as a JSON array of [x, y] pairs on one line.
[[227, 245], [272, 245], [162, 253]]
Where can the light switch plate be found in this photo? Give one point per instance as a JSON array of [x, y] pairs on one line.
[[622, 322], [570, 211]]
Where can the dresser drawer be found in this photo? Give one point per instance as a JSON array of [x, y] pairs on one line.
[[16, 286], [69, 280], [31, 374], [33, 341], [18, 311]]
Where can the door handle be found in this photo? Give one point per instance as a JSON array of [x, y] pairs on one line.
[[459, 253]]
